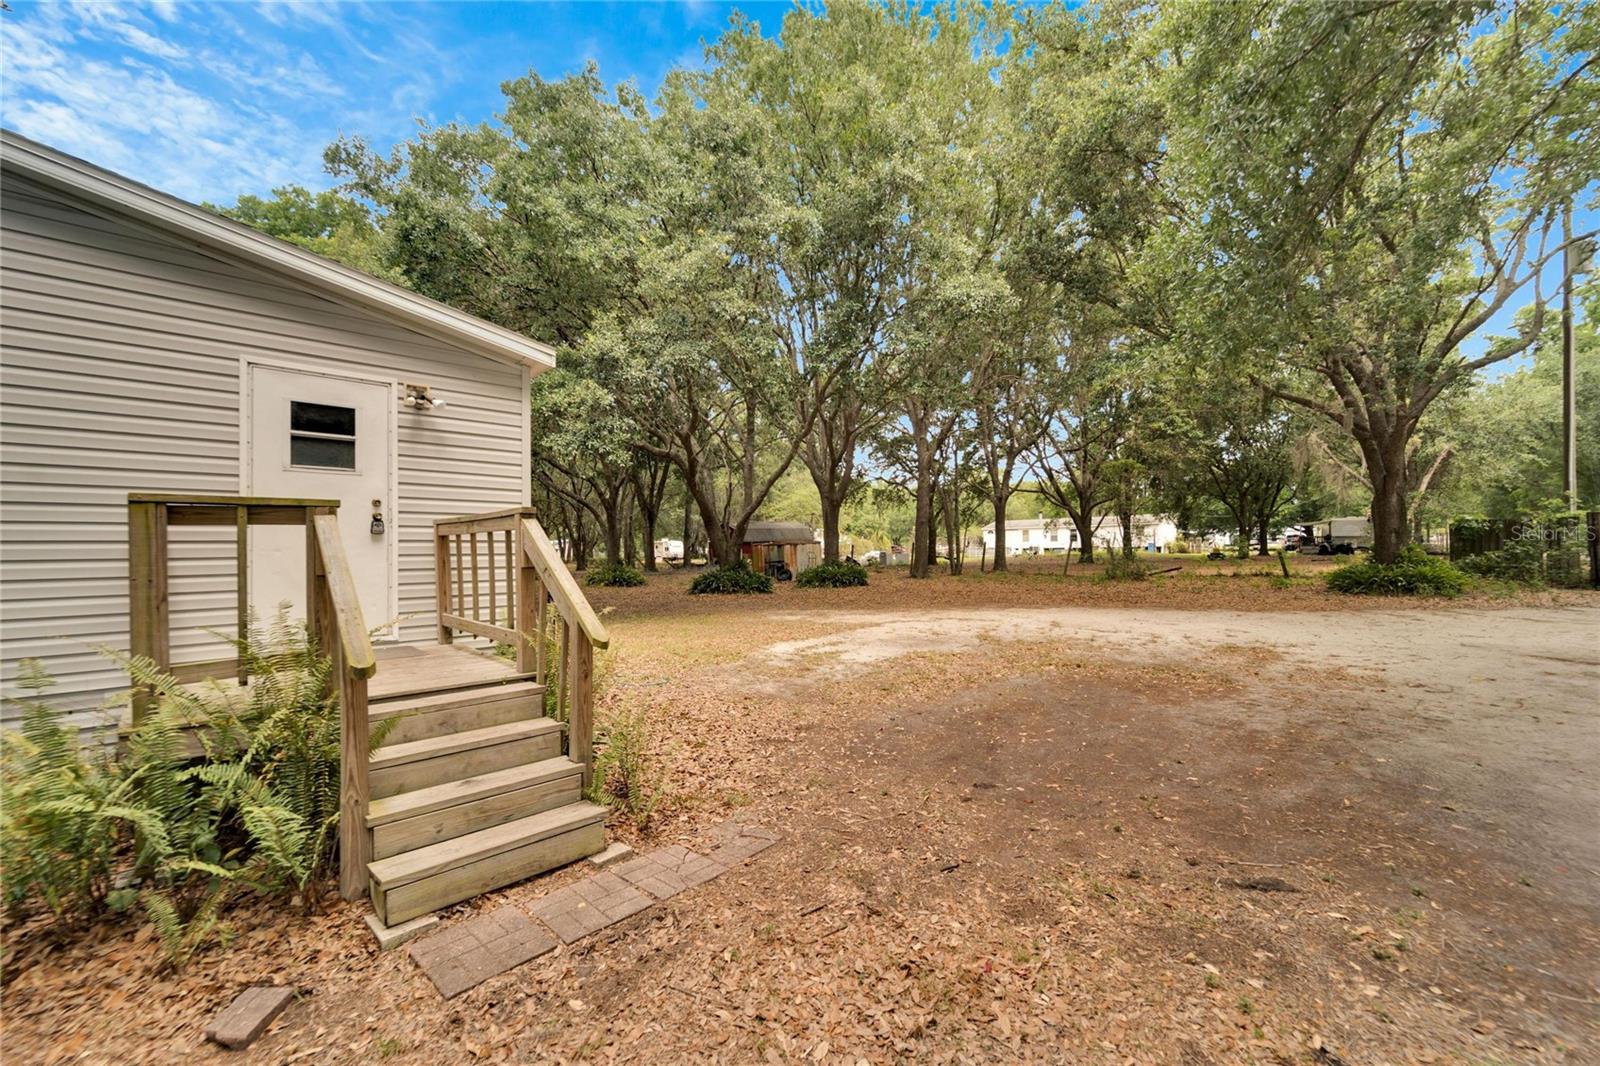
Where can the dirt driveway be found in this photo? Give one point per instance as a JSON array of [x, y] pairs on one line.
[[1499, 710], [1122, 835], [1059, 834]]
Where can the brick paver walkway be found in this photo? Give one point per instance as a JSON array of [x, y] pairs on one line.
[[469, 953], [736, 843], [464, 955], [589, 906], [667, 871]]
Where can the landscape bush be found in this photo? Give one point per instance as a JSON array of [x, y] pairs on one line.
[[1521, 561], [838, 575], [1121, 567], [1413, 574], [1547, 548], [84, 832], [613, 575], [729, 580]]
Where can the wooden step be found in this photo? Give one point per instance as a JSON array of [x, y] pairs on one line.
[[417, 882], [442, 713], [411, 820], [418, 764]]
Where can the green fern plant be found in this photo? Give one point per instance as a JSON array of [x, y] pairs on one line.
[[218, 790], [627, 773], [180, 938], [283, 734], [65, 812]]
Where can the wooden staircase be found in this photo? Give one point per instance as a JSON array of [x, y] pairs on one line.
[[478, 782], [476, 785], [471, 791]]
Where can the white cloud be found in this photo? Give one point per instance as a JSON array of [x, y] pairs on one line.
[[150, 43], [211, 101]]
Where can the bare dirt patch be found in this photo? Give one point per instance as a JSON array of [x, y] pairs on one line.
[[1054, 833]]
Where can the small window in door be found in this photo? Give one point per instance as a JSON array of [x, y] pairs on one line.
[[322, 435]]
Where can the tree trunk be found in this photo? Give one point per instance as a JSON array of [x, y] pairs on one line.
[[1386, 468], [1262, 536], [1126, 518], [950, 513], [1082, 521], [580, 541], [1388, 519], [920, 548], [630, 554], [1000, 533], [829, 457], [649, 543], [649, 476], [612, 531], [688, 504], [830, 528]]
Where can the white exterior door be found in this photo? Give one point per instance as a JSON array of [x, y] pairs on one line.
[[315, 436]]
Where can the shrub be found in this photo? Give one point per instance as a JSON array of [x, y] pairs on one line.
[[256, 811], [613, 575], [1521, 561], [1121, 567], [626, 774], [839, 575], [728, 580], [1545, 546], [1413, 574], [64, 815]]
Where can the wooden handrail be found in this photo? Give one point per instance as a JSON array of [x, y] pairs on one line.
[[563, 589], [334, 611], [354, 641], [525, 575]]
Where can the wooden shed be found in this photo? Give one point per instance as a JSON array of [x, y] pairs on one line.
[[790, 545]]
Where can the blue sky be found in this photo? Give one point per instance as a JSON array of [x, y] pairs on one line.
[[207, 101]]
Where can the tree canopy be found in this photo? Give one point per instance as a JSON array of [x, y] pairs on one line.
[[1230, 262]]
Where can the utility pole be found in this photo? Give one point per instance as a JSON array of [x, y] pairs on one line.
[[1570, 262]]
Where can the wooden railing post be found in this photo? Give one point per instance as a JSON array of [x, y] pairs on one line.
[[149, 620], [241, 589], [343, 633], [527, 623], [564, 665], [441, 585], [580, 723], [541, 627], [355, 842]]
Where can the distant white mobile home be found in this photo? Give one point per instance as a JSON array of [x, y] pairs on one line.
[[1047, 536]]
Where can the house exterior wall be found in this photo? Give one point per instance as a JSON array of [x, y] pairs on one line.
[[1148, 531], [1058, 535], [121, 359], [1029, 536]]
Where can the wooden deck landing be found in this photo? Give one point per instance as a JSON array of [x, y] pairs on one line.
[[407, 668]]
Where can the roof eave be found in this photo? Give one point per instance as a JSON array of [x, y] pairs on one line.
[[153, 207]]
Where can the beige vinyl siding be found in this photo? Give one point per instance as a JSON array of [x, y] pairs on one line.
[[121, 353]]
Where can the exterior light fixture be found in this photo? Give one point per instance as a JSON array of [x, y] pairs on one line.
[[421, 398]]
